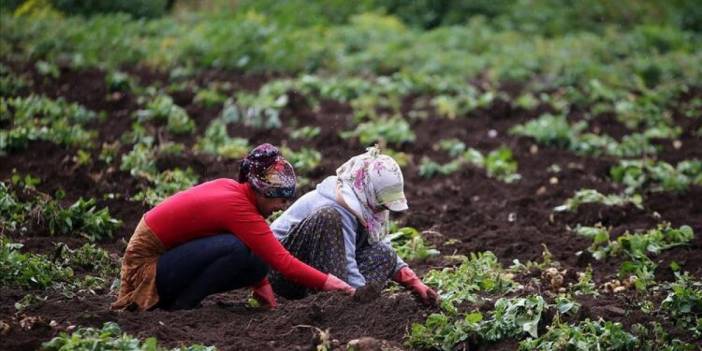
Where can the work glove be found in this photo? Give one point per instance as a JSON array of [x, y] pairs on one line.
[[263, 293], [409, 279], [334, 283]]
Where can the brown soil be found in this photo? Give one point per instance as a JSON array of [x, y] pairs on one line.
[[479, 213]]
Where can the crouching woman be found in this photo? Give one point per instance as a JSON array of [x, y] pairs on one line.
[[341, 227], [213, 238]]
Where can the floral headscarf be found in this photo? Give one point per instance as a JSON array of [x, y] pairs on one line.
[[268, 172], [376, 182]]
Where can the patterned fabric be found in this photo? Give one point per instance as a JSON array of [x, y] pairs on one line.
[[317, 240], [268, 172], [138, 272], [376, 182]]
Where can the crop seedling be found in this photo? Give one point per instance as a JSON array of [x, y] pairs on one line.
[[216, 141], [305, 133], [110, 337], [639, 175], [501, 165], [81, 218], [210, 97], [512, 317], [586, 196], [40, 118], [166, 184], [261, 111], [395, 131], [409, 244], [684, 303], [162, 108], [586, 335], [653, 337], [637, 248], [304, 160], [480, 272]]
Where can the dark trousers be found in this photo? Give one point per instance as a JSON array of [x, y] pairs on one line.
[[188, 273]]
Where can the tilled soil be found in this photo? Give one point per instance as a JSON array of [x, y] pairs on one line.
[[464, 212]]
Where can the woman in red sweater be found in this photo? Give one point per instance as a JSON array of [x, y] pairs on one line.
[[213, 238]]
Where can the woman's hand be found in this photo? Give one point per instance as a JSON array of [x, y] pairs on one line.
[[409, 279], [334, 283], [263, 293]]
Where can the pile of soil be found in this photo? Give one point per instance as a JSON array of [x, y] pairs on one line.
[[466, 212]]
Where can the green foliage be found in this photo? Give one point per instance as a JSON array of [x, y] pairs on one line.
[[550, 129], [460, 105], [684, 303], [119, 81], [305, 133], [136, 8], [304, 160], [140, 161], [261, 111], [27, 270], [586, 335], [645, 174], [409, 244], [109, 337], [501, 165], [395, 131], [209, 97], [162, 108], [40, 118], [637, 247], [653, 337], [217, 141], [10, 83], [479, 273], [81, 218], [165, 184], [498, 163], [512, 317], [587, 196]]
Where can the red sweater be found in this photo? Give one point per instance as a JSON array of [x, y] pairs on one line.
[[224, 205]]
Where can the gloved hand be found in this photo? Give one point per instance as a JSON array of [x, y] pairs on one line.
[[263, 293], [334, 283], [409, 279]]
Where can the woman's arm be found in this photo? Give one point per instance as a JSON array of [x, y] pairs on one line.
[[257, 236]]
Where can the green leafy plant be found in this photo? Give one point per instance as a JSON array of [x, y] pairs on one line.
[[512, 317], [305, 133], [40, 118], [27, 270], [162, 108], [684, 303], [550, 129], [653, 337], [501, 165], [304, 160], [217, 141], [409, 244], [260, 110], [166, 184], [586, 335], [81, 218], [480, 272], [210, 97], [391, 130], [109, 337], [119, 81], [586, 196], [639, 175]]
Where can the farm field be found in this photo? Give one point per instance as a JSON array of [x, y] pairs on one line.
[[553, 167]]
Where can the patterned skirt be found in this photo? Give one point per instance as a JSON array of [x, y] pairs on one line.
[[318, 241]]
